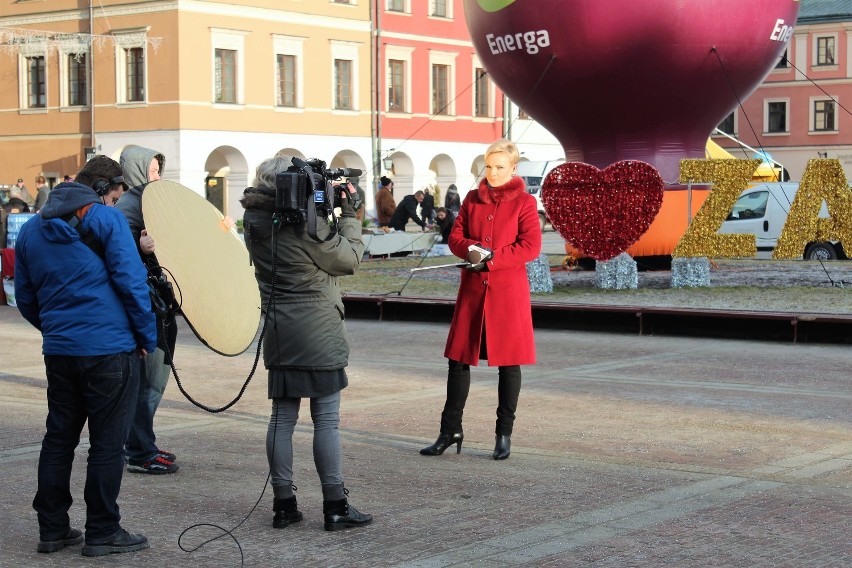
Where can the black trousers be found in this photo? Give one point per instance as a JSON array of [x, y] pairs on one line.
[[458, 387]]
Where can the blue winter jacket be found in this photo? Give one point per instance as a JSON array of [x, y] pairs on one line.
[[84, 304]]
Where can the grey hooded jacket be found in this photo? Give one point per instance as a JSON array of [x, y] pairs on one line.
[[134, 165]]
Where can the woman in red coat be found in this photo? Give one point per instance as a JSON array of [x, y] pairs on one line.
[[492, 318]]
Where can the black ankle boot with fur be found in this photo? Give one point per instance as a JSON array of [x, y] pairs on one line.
[[286, 512]]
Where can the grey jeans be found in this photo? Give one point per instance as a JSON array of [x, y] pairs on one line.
[[325, 413]]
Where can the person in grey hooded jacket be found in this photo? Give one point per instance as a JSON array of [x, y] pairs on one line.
[[141, 166], [305, 347]]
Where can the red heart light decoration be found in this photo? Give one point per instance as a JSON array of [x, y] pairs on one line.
[[602, 212]]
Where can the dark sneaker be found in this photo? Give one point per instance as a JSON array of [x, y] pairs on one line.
[[122, 541], [74, 536], [167, 455], [156, 466]]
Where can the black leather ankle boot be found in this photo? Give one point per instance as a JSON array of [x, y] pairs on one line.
[[286, 512], [443, 442], [502, 447], [341, 515]]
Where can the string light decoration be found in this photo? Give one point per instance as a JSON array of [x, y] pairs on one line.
[[602, 212], [28, 42], [824, 180], [729, 179]]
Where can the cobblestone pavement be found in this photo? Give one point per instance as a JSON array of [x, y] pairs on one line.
[[628, 451]]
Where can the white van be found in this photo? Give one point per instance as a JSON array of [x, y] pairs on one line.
[[762, 210], [533, 174]]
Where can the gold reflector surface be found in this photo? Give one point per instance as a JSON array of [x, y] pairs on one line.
[[208, 263]]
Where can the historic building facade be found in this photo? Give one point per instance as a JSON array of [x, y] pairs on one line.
[[802, 109]]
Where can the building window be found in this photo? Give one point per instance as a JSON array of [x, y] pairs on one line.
[[783, 63], [228, 48], [824, 116], [825, 50], [727, 125], [135, 74], [286, 80], [396, 5], [77, 84], [439, 8], [131, 57], [440, 89], [482, 94], [36, 91], [396, 85], [343, 84], [225, 77], [776, 116]]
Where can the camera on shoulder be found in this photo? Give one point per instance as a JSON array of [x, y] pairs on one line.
[[307, 186]]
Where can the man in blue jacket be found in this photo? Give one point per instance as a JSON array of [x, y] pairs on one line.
[[79, 280]]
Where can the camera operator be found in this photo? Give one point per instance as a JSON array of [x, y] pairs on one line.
[[305, 346]]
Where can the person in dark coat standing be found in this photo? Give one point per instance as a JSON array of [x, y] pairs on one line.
[[452, 202], [492, 318], [427, 206], [407, 209], [305, 348]]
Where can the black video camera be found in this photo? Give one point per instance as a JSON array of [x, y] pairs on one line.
[[306, 185]]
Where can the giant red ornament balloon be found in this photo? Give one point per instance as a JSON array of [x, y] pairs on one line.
[[630, 79]]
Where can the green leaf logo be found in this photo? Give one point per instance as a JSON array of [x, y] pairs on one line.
[[493, 5]]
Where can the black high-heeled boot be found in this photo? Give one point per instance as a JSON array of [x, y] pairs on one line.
[[502, 447], [286, 512], [443, 442]]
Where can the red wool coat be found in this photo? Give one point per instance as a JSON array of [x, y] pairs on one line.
[[505, 220]]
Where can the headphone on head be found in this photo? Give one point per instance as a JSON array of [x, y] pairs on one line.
[[102, 186]]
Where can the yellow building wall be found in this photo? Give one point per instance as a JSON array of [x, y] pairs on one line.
[[179, 77]]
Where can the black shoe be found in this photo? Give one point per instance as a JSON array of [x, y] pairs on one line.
[[158, 465], [286, 512], [443, 442], [502, 447], [341, 515], [73, 536], [122, 541]]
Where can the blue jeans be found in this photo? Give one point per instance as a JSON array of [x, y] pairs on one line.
[[142, 443], [102, 390]]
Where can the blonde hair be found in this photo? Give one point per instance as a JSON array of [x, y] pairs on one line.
[[505, 147]]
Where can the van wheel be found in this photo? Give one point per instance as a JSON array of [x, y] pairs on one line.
[[820, 251], [542, 220]]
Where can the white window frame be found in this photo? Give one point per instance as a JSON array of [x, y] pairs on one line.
[[812, 115], [449, 15], [64, 77], [123, 40], [24, 79], [447, 58], [347, 50], [815, 45], [736, 124], [233, 40], [406, 7], [294, 46], [492, 88], [399, 53], [766, 102]]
